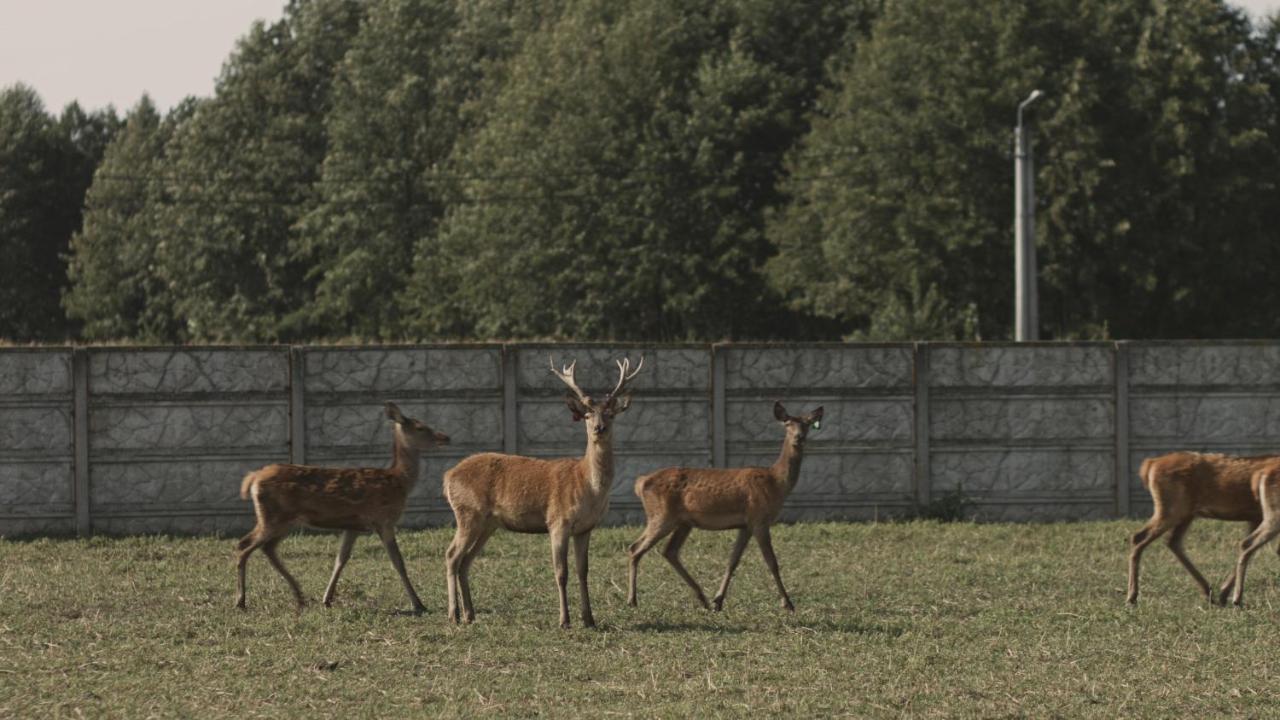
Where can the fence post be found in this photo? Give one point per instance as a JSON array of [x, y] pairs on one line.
[[1121, 370], [297, 407], [80, 434], [924, 484], [719, 423], [510, 411]]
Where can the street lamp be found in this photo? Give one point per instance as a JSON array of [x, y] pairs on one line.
[[1026, 320]]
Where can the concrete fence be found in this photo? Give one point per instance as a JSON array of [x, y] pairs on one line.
[[147, 440]]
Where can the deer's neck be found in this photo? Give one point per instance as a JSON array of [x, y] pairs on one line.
[[404, 459], [786, 469], [598, 464]]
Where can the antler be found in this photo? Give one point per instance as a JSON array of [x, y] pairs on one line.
[[624, 376], [566, 376]]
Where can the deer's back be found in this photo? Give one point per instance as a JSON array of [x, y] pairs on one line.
[[335, 498], [520, 493], [1210, 485], [712, 498]]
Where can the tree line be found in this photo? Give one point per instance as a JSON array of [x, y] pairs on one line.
[[663, 170]]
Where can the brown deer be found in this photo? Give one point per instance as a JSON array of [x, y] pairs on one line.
[[1188, 485], [677, 500], [564, 498], [353, 500]]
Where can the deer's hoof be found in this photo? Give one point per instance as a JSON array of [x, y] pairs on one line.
[[717, 605]]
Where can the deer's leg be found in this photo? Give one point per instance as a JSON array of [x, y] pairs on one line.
[[388, 535], [269, 549], [765, 541], [470, 552], [739, 544], [1175, 545], [1269, 528], [581, 543], [453, 566], [1224, 592], [1158, 525], [653, 532], [672, 553], [247, 545], [560, 563], [344, 554]]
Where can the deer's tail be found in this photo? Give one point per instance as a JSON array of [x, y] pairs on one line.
[[1144, 472], [246, 485]]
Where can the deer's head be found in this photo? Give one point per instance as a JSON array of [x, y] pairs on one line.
[[598, 414], [797, 427], [414, 433]]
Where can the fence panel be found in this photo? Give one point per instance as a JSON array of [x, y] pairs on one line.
[[37, 483], [1206, 396], [454, 389], [172, 430], [1024, 431], [145, 440], [860, 463]]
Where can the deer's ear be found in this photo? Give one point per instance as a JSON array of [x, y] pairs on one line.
[[576, 407], [621, 404], [815, 419], [780, 413], [393, 412]]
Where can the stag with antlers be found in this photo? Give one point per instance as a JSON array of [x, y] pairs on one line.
[[565, 498]]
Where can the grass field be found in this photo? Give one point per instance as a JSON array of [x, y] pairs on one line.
[[916, 619]]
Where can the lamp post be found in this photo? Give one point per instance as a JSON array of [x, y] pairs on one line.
[[1026, 320]]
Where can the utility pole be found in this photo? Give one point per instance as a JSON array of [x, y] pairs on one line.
[[1026, 322]]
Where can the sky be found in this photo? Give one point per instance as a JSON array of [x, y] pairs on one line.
[[103, 52]]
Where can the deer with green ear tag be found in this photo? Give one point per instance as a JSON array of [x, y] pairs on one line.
[[677, 500]]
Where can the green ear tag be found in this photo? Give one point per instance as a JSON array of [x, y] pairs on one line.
[[817, 424]]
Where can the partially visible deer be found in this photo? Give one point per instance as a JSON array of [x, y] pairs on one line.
[[353, 500], [565, 498], [1188, 485], [677, 500]]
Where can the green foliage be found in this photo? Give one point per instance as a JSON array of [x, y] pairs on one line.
[[423, 64], [46, 164], [1154, 134], [116, 290], [239, 175], [663, 170], [951, 506], [621, 178]]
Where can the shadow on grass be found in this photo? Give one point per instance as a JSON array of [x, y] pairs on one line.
[[850, 627], [679, 627], [821, 626]]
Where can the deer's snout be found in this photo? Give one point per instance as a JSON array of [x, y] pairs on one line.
[[442, 439]]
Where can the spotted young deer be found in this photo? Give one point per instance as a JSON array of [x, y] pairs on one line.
[[677, 500], [1188, 485], [564, 498], [353, 500]]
